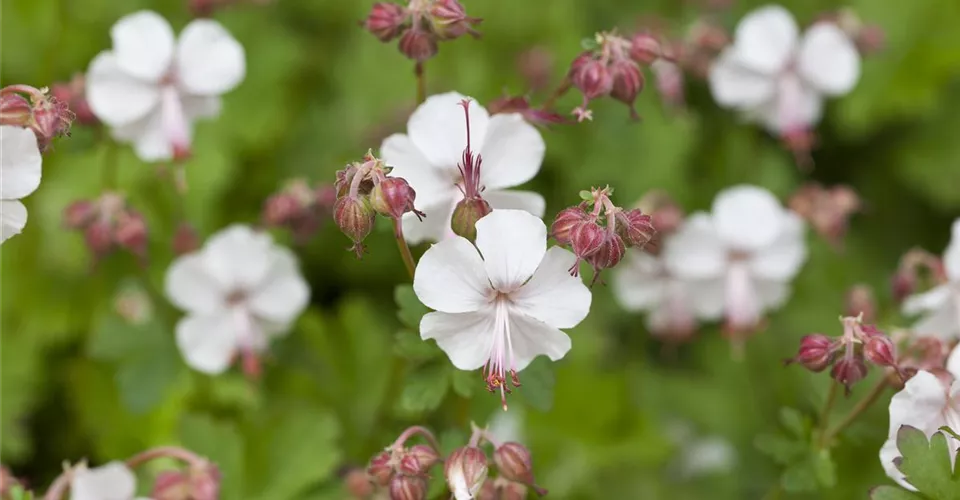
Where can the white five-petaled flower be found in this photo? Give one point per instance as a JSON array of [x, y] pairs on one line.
[[112, 481], [926, 403], [742, 255], [19, 176], [150, 88], [427, 157], [502, 303], [779, 79], [941, 305], [239, 291]]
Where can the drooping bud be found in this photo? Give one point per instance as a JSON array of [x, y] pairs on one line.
[[73, 93], [15, 110], [357, 483], [591, 76], [849, 371], [879, 349], [426, 456], [78, 214], [99, 237], [816, 352], [450, 20], [514, 462], [200, 483], [465, 471], [465, 217], [386, 20], [587, 238], [403, 487], [608, 255], [566, 223], [418, 44], [131, 233], [628, 82], [185, 239], [394, 197], [381, 468], [645, 48], [355, 218], [860, 301], [635, 227], [49, 118]]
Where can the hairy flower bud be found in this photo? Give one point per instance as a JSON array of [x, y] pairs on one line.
[[645, 48], [355, 218], [465, 471], [381, 468], [816, 352], [879, 349], [393, 197], [566, 223], [426, 456], [47, 117], [587, 238], [131, 233], [386, 20], [849, 371], [608, 255], [635, 227], [450, 20], [628, 82], [514, 462], [78, 214], [15, 110], [591, 76], [465, 217], [418, 45], [403, 487]]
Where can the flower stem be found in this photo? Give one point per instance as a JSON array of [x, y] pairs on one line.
[[404, 248], [825, 414], [860, 407], [562, 89], [418, 70]]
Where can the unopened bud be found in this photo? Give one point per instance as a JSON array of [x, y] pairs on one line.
[[635, 227], [816, 352], [849, 371], [645, 48], [393, 197], [418, 45], [566, 223], [609, 254], [514, 462], [386, 20], [465, 217], [591, 76], [512, 490], [628, 82], [450, 20], [358, 484], [403, 487], [879, 349], [280, 209], [185, 239], [201, 483], [78, 214], [903, 284], [587, 239], [426, 456], [488, 491], [99, 237], [465, 471], [131, 233], [860, 301], [355, 218], [381, 468], [15, 110]]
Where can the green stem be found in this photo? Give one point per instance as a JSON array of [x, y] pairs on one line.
[[419, 70], [860, 407], [825, 414]]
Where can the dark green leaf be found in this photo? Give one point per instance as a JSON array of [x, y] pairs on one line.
[[800, 477], [926, 464], [222, 444], [302, 451], [825, 469], [424, 389], [464, 383], [409, 308], [410, 346], [893, 493], [794, 421], [537, 384]]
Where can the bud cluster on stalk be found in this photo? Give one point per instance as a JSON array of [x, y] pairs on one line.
[[849, 354], [299, 208], [108, 223], [599, 232], [828, 210], [918, 270], [400, 472], [365, 189], [197, 482], [35, 109], [420, 25]]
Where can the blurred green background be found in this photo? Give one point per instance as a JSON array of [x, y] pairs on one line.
[[77, 381]]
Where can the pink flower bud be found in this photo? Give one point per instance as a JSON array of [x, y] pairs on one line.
[[816, 352], [466, 214], [903, 284], [514, 462], [591, 76], [280, 209], [185, 239], [381, 468], [404, 487], [645, 48], [849, 371], [450, 20], [465, 471], [488, 491], [73, 93], [418, 45], [99, 237], [535, 65], [566, 223], [608, 256], [357, 483], [879, 349], [51, 119], [860, 301], [355, 218], [200, 483], [386, 20], [131, 233], [587, 238], [409, 465], [393, 197], [628, 81], [15, 110], [78, 214], [512, 490], [635, 227], [426, 456]]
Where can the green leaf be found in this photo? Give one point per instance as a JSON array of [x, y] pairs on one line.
[[893, 493], [537, 382], [949, 431], [424, 390], [586, 195], [410, 310], [464, 382], [926, 464], [410, 346], [825, 469], [222, 444], [794, 422], [800, 477], [782, 449], [302, 452]]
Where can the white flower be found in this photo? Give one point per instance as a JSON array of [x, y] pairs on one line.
[[750, 242], [112, 481], [941, 305], [150, 88], [427, 157], [19, 176], [239, 290], [779, 79], [927, 404], [642, 283], [500, 304]]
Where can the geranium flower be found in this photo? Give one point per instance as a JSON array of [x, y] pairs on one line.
[[19, 176], [926, 403], [239, 291], [779, 79], [750, 242], [502, 303], [112, 481], [150, 88], [427, 157], [940, 306]]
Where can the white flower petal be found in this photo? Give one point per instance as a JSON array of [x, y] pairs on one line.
[[638, 282], [531, 337], [200, 106], [283, 294], [438, 128], [951, 256], [748, 218], [737, 86], [772, 294], [919, 404], [190, 287], [116, 97], [143, 44], [451, 278], [943, 322], [111, 481], [431, 184], [19, 162], [239, 257], [512, 243], [888, 453], [13, 218], [706, 297], [953, 362], [208, 342], [465, 337], [781, 260], [552, 295], [149, 137], [828, 59], [512, 152], [798, 106], [743, 306], [695, 251], [766, 38], [931, 300], [435, 225], [209, 60], [516, 200]]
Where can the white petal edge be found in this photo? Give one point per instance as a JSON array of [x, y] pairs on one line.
[[431, 184], [527, 201], [531, 337], [20, 162], [512, 243], [283, 294], [734, 85], [695, 251], [931, 300], [747, 217], [13, 218], [209, 60], [148, 136], [109, 481], [466, 338], [766, 38], [552, 295], [451, 277], [512, 152], [190, 287], [828, 59], [798, 107], [951, 256], [208, 343], [239, 257], [638, 282], [115, 96], [143, 44], [435, 225], [438, 128], [782, 259], [953, 363]]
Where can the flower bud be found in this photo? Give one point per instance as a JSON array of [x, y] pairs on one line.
[[849, 371], [426, 456], [903, 284], [488, 491], [131, 233], [635, 227], [816, 352], [450, 20], [879, 349], [587, 239], [201, 483], [860, 301], [185, 239], [381, 468], [78, 214], [358, 484], [280, 209], [645, 48], [566, 223], [591, 76], [465, 471], [386, 20], [466, 214], [418, 45], [73, 93], [512, 490], [514, 462], [355, 218], [609, 254], [628, 82], [15, 110], [393, 197], [404, 487], [99, 237], [48, 117]]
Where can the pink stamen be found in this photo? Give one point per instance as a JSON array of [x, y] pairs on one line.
[[501, 361], [174, 122]]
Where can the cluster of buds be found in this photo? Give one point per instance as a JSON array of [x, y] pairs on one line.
[[401, 472], [599, 232], [420, 25], [37, 110], [828, 210], [869, 38], [849, 353], [108, 223], [197, 482], [299, 208], [918, 269], [610, 66], [74, 95], [365, 189], [922, 353]]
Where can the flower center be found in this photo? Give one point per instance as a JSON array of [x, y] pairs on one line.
[[174, 122], [501, 361]]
